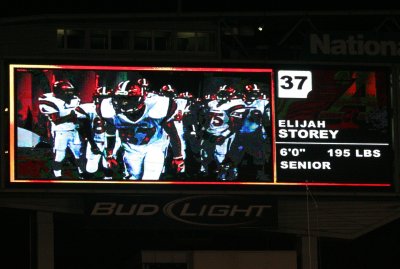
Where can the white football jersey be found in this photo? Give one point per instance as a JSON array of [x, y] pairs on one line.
[[219, 115], [88, 110], [49, 104], [147, 128]]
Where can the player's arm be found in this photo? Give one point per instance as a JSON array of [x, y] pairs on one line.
[[57, 119], [177, 159], [86, 130], [236, 116], [51, 110], [49, 107], [168, 125], [266, 122], [175, 142], [111, 138], [105, 111]]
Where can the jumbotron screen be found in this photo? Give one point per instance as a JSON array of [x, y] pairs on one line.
[[82, 124]]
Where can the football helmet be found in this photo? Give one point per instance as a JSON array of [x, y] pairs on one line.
[[225, 93], [129, 97], [64, 90], [185, 95], [168, 90], [252, 92], [210, 97], [102, 92], [144, 83]]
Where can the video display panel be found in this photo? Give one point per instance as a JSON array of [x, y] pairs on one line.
[[199, 126], [337, 130], [77, 123]]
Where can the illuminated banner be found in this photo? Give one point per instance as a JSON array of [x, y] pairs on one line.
[[336, 132], [354, 47], [199, 126], [208, 211]]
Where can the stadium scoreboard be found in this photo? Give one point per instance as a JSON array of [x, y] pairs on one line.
[[335, 131], [327, 126]]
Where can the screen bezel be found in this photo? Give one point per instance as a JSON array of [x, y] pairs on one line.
[[270, 71]]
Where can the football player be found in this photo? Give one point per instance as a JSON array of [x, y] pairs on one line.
[[187, 119], [190, 132], [97, 135], [142, 119], [222, 121], [168, 91], [252, 137], [59, 108]]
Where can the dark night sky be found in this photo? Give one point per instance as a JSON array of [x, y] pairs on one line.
[[28, 8]]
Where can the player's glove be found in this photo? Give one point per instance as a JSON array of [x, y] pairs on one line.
[[111, 161], [178, 164]]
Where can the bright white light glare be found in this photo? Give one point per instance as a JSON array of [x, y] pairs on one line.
[[260, 28]]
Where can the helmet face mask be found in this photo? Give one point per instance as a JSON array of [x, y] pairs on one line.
[[168, 90], [129, 98], [225, 93], [222, 96], [252, 92], [64, 90], [143, 83], [128, 104], [185, 95]]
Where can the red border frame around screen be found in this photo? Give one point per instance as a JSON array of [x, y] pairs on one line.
[[12, 129]]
